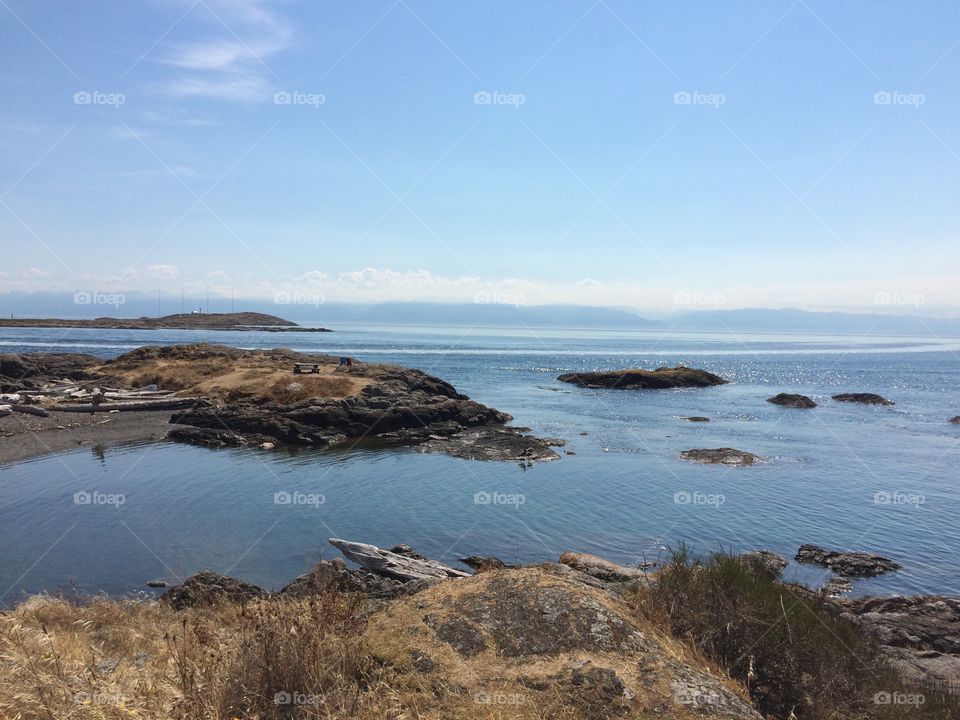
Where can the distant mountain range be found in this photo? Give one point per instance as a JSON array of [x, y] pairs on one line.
[[138, 304]]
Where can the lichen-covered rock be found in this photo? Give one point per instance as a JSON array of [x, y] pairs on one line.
[[530, 642], [209, 588]]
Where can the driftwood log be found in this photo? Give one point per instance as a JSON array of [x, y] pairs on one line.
[[600, 568], [30, 410], [392, 565], [159, 404]]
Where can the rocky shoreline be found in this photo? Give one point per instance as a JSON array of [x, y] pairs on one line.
[[918, 634]]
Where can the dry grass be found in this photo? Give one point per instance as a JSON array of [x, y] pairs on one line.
[[327, 656], [255, 378], [272, 659], [798, 660]]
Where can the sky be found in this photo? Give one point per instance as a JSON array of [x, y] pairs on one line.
[[657, 156]]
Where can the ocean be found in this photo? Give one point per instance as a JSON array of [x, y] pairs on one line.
[[844, 476]]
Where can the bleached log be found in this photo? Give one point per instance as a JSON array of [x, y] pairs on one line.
[[159, 404], [392, 565], [30, 410]]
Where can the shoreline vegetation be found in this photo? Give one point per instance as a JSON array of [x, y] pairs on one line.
[[399, 635], [404, 636], [248, 321]]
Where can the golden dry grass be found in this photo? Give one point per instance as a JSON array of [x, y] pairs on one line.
[[327, 656], [256, 378]]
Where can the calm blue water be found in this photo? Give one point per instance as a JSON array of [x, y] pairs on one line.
[[189, 508]]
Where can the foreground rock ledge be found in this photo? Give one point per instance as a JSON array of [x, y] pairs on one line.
[[659, 379], [562, 624]]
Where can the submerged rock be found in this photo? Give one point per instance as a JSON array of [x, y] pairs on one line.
[[847, 564], [863, 398], [490, 443], [661, 378], [721, 456], [697, 418], [793, 401]]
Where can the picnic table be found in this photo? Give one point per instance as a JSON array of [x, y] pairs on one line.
[[305, 367]]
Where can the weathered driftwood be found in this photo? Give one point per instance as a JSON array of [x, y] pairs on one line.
[[159, 404], [398, 567], [601, 569], [30, 410]]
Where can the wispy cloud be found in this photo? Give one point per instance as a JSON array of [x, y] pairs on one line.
[[231, 65], [250, 88]]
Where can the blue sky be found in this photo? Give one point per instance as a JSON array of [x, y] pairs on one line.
[[650, 155]]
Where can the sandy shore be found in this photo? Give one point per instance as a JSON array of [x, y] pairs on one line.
[[25, 436]]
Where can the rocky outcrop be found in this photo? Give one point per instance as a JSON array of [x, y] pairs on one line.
[[528, 638], [29, 371], [792, 401], [721, 456], [207, 588], [661, 378], [862, 398], [920, 634], [847, 564], [391, 404]]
